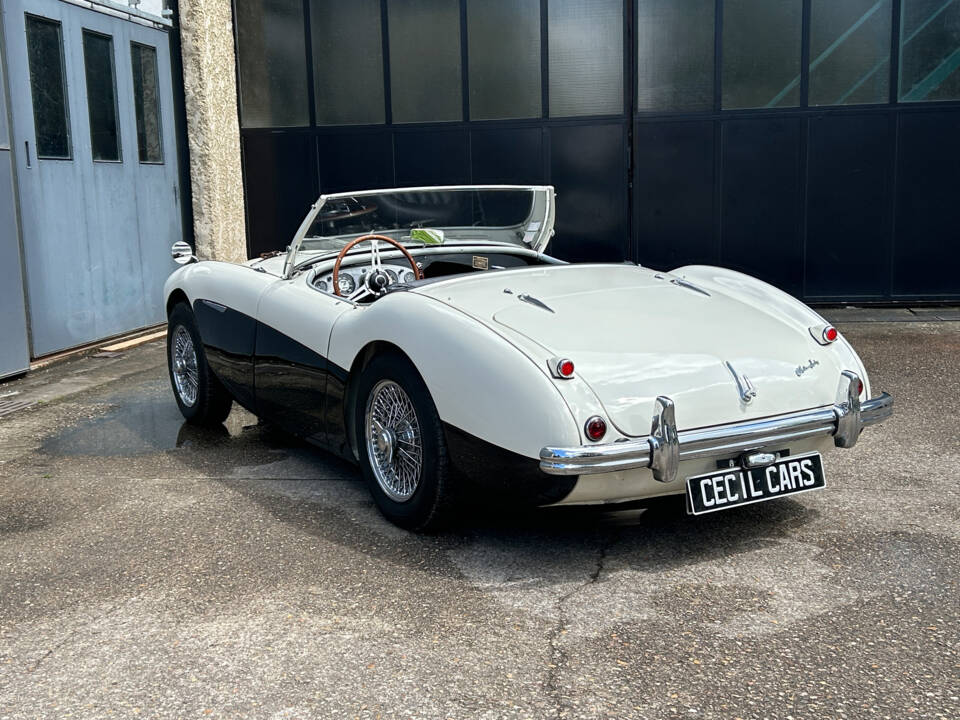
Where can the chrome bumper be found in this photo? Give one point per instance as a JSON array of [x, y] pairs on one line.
[[664, 448]]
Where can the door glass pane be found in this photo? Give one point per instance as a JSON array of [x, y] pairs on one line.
[[761, 53], [48, 89], [586, 57], [146, 102], [929, 50], [347, 61], [849, 52], [273, 63], [101, 96], [503, 51], [425, 60], [675, 54]]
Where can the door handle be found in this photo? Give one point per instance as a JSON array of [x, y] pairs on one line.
[[26, 146]]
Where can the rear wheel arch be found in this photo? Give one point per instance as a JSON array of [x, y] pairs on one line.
[[363, 358], [405, 462]]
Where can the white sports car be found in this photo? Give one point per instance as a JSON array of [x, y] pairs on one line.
[[423, 333]]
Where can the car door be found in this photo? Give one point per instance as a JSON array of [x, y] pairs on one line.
[[224, 300], [296, 386]]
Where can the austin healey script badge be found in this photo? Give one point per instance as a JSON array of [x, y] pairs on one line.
[[801, 369]]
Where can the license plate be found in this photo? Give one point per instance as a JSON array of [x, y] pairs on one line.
[[730, 487]]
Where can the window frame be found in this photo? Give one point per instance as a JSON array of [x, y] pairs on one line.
[[84, 32], [29, 17], [160, 144]]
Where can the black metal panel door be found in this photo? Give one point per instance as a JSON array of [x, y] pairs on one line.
[[927, 246], [674, 193], [588, 167], [512, 156], [355, 160], [281, 182], [432, 157], [849, 208], [761, 200]]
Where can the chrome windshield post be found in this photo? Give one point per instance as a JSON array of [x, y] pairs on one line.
[[849, 422], [664, 443], [290, 264]]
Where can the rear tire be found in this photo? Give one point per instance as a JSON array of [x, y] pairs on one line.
[[201, 397], [402, 448]]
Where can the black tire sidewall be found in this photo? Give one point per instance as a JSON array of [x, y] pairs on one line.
[[426, 508]]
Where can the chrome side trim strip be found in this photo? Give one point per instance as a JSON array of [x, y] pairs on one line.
[[665, 447]]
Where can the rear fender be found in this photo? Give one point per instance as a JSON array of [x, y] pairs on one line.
[[480, 383]]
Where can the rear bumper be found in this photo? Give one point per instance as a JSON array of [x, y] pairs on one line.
[[664, 448]]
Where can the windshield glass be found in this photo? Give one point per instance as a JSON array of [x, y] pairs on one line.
[[515, 215]]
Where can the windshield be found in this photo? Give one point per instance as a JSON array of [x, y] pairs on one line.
[[521, 216]]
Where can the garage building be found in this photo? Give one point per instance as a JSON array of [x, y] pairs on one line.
[[813, 143]]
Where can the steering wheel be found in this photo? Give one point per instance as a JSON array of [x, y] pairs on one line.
[[376, 281]]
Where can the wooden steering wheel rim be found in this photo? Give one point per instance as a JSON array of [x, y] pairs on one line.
[[356, 241]]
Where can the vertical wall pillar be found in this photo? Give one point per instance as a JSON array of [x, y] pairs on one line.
[[210, 90]]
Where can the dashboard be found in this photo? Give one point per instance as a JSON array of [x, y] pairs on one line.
[[350, 278], [432, 266]]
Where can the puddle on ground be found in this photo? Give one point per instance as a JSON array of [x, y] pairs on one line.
[[144, 419]]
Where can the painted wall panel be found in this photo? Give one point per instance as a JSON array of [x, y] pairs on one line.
[[432, 157], [761, 200], [4, 129], [588, 167], [355, 161], [281, 183], [511, 156], [14, 353], [674, 193], [849, 206], [926, 256], [158, 193]]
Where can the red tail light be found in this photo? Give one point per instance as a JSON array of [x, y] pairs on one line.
[[596, 428], [565, 368], [824, 334]]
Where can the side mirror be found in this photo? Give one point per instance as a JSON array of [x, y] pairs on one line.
[[182, 253]]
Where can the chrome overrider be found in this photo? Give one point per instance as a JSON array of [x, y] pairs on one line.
[[664, 448]]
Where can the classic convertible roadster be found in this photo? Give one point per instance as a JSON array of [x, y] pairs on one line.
[[424, 333]]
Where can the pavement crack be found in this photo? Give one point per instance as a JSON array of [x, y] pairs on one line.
[[558, 655], [66, 638], [48, 653]]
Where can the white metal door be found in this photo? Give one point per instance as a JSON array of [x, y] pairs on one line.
[[97, 224], [14, 355]]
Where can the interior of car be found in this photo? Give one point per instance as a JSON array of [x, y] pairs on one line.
[[432, 267]]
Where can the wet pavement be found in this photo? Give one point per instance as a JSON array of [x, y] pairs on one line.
[[152, 569]]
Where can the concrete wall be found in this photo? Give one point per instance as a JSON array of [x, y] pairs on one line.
[[210, 89]]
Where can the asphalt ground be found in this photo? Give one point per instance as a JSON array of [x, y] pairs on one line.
[[152, 569]]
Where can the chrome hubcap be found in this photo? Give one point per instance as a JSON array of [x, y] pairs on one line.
[[392, 434], [183, 357]]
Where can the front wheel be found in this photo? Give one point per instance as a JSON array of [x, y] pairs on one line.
[[201, 397], [403, 452]]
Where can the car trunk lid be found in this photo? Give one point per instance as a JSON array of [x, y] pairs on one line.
[[634, 334]]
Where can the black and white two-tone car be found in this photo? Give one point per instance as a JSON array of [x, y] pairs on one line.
[[425, 334]]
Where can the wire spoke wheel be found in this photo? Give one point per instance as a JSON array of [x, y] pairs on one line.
[[186, 376], [394, 440]]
